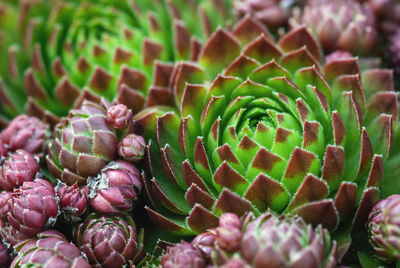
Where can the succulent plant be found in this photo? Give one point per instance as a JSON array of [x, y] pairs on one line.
[[48, 249], [229, 232], [59, 52], [267, 126], [109, 241], [388, 15], [131, 148], [267, 241], [205, 242], [33, 207], [341, 25], [383, 227], [19, 167], [83, 144], [271, 241], [72, 201], [115, 188], [119, 116], [183, 255], [272, 13], [27, 133]]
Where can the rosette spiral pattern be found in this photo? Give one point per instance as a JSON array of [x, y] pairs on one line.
[[60, 51], [27, 133], [49, 249], [18, 167], [109, 241], [83, 144], [33, 207], [383, 228], [264, 125]]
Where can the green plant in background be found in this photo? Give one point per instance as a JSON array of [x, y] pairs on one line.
[[58, 52]]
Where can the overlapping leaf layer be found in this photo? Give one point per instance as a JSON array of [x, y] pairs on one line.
[[264, 125]]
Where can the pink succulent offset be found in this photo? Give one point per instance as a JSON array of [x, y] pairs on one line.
[[384, 229], [109, 241], [183, 255], [49, 249], [341, 25], [28, 133], [115, 188], [229, 232], [119, 116], [19, 167], [83, 144], [33, 207], [73, 202], [235, 262], [205, 242], [131, 148]]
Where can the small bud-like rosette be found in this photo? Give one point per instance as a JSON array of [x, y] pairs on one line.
[[183, 255], [48, 249], [384, 228], [18, 167], [115, 188], [72, 201], [109, 241], [131, 148], [63, 53], [119, 116], [341, 25], [33, 207], [83, 144], [229, 232], [27, 133], [264, 125]]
